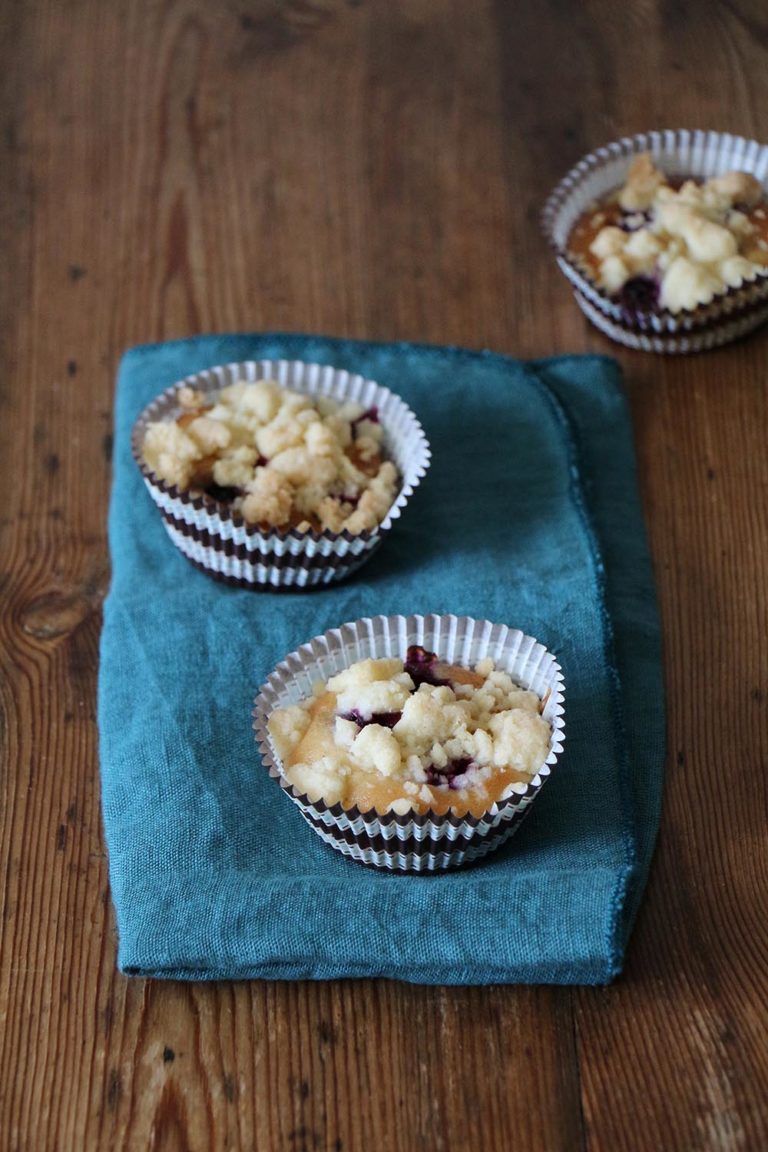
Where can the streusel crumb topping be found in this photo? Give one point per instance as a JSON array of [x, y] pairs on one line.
[[278, 457], [653, 243], [413, 735]]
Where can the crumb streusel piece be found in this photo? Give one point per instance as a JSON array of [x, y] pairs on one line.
[[655, 244], [280, 458], [418, 735]]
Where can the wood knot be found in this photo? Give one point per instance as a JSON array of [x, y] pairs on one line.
[[60, 612], [55, 614]]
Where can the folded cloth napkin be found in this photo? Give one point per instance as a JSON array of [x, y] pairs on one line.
[[529, 516]]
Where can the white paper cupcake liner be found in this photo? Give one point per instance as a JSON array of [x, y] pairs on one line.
[[222, 543], [712, 337], [414, 842], [679, 153]]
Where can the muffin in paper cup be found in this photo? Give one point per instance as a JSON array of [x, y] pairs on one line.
[[220, 541], [421, 842], [680, 154]]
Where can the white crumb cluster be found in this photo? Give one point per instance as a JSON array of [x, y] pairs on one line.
[[697, 240], [293, 460], [453, 738]]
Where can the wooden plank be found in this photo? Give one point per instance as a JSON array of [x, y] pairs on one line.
[[682, 1038]]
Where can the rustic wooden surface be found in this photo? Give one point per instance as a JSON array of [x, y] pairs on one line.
[[371, 169]]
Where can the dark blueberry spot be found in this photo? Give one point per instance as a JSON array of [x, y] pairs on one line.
[[639, 295], [371, 414], [168, 1055], [634, 221], [76, 272], [445, 777], [386, 719], [222, 494], [419, 664], [354, 716], [71, 367]]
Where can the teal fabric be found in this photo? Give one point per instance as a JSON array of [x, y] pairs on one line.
[[528, 516]]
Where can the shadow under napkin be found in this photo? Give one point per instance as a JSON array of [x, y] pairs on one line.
[[529, 516]]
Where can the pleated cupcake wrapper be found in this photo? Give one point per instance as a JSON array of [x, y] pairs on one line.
[[222, 543], [712, 337], [414, 842], [679, 153]]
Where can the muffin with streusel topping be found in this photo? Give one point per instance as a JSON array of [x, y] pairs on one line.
[[413, 743], [284, 474], [413, 735], [657, 242], [280, 458], [664, 238]]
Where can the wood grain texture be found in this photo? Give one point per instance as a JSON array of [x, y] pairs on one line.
[[371, 169]]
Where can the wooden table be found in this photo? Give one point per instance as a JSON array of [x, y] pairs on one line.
[[372, 169]]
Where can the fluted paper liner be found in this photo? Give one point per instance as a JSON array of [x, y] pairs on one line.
[[679, 153], [414, 842], [222, 543]]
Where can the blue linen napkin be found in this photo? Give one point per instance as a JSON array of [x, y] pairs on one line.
[[528, 516]]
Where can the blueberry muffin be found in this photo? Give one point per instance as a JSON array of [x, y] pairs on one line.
[[413, 736], [658, 243], [281, 459]]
